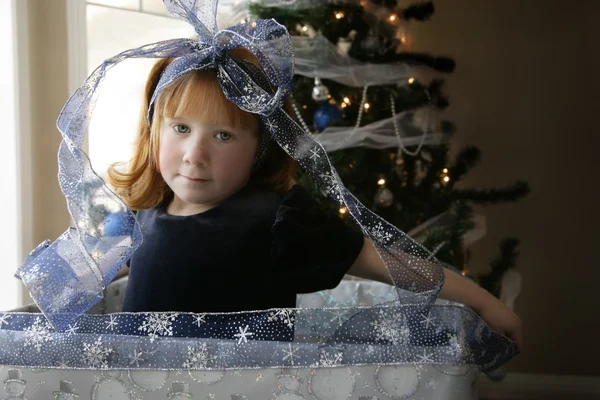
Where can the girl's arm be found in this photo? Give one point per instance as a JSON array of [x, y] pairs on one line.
[[369, 265], [456, 288]]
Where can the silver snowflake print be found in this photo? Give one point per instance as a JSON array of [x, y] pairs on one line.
[[314, 154], [35, 280], [197, 357], [380, 234], [454, 346], [329, 359], [426, 358], [339, 315], [199, 319], [389, 327], [272, 126], [290, 354], [428, 320], [331, 186], [284, 315], [157, 324], [243, 334], [136, 358], [95, 355], [4, 319], [72, 329], [62, 363], [62, 300], [256, 35], [38, 334], [112, 323], [255, 103]]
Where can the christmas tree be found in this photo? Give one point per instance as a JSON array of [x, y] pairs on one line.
[[406, 177]]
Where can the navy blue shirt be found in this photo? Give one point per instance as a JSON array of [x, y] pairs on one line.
[[254, 251]]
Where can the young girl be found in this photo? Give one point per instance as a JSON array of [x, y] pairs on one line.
[[225, 228]]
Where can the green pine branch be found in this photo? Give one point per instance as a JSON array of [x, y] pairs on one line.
[[503, 262], [512, 193], [468, 158]]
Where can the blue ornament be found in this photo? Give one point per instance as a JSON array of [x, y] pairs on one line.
[[326, 114], [117, 224]]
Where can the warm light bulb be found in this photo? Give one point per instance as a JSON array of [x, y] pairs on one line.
[[304, 107], [445, 170], [367, 105], [346, 100], [339, 15], [343, 210], [253, 24], [464, 273], [381, 182], [411, 80], [304, 28], [446, 179], [344, 105], [403, 39], [393, 17], [242, 21]]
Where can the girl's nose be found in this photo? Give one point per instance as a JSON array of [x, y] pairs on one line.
[[197, 153]]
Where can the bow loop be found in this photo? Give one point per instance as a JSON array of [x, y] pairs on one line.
[[259, 90]]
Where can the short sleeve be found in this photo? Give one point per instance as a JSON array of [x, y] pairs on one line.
[[312, 248]]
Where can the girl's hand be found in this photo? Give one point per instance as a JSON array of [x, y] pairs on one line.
[[501, 319]]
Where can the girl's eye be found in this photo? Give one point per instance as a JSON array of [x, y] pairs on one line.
[[181, 128], [223, 136]]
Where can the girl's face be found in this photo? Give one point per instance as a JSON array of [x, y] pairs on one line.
[[204, 163]]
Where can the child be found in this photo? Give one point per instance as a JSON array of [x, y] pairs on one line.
[[224, 227]]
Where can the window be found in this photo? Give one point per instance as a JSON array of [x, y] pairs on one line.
[[112, 27], [9, 242]]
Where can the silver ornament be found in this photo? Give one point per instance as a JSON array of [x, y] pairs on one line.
[[384, 197], [320, 92]]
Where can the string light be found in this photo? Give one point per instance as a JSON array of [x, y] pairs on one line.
[[403, 39], [253, 24], [393, 17], [339, 15], [346, 100], [464, 272], [381, 182], [343, 210], [304, 106], [344, 105], [367, 105], [445, 170], [411, 80], [304, 28], [446, 179]]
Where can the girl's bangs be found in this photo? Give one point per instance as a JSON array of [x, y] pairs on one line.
[[199, 96]]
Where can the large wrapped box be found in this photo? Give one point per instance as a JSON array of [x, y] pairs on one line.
[[114, 355]]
